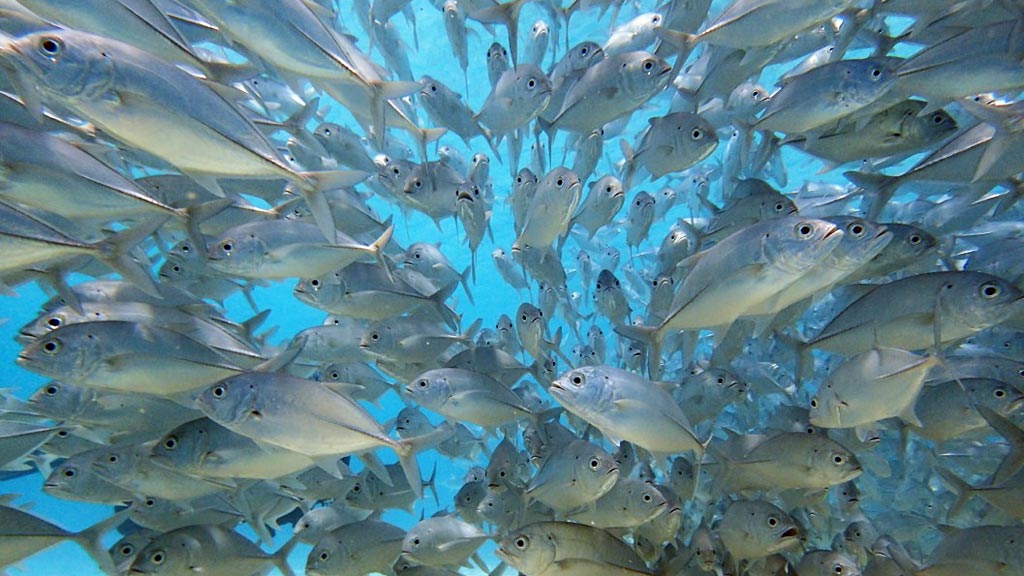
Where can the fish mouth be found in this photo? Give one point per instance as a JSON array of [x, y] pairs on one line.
[[463, 195], [791, 533], [619, 194], [832, 232], [23, 360]]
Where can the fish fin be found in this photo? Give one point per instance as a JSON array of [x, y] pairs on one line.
[[1014, 435], [116, 253], [998, 146], [910, 417], [883, 186], [91, 539], [963, 490], [280, 558]]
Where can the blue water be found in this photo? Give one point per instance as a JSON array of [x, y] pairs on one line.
[[492, 296]]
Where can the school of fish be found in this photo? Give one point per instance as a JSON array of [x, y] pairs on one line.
[[688, 353]]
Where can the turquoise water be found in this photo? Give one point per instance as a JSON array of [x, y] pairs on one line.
[[491, 295]]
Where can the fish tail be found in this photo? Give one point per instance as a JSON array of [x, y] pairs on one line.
[[378, 246], [280, 558], [653, 337], [804, 359], [1014, 435], [881, 185], [464, 280], [409, 447], [116, 253], [489, 137], [193, 216], [431, 483], [91, 539], [963, 490]]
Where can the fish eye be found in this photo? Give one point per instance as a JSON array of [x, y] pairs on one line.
[[112, 458], [594, 463], [838, 459], [531, 83], [70, 473], [219, 391], [577, 380], [314, 283], [773, 521], [334, 375], [559, 182], [324, 556], [755, 94], [433, 87], [327, 131], [522, 542], [423, 383], [648, 65], [999, 393], [227, 246], [523, 317], [990, 290], [374, 336], [857, 230], [779, 206], [51, 390], [647, 497], [54, 322], [697, 134], [171, 443], [157, 557], [63, 434], [51, 46], [127, 550], [804, 230], [937, 119], [814, 402], [584, 51], [415, 541], [876, 72], [150, 502], [914, 239], [52, 346], [656, 18]]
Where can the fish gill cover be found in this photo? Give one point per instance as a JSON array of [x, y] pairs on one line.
[[531, 286]]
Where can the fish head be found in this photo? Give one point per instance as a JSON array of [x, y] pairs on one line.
[[410, 422], [862, 240], [607, 282], [230, 402], [58, 64], [979, 301], [581, 56], [909, 242], [186, 446], [430, 389], [527, 551], [833, 462], [59, 400], [323, 290], [71, 352], [237, 252], [377, 339], [65, 478], [327, 557], [797, 244], [124, 551], [642, 74], [826, 408], [118, 463]]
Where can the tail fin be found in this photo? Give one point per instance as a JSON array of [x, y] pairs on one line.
[[116, 253], [409, 447], [1014, 435], [91, 539], [883, 186], [651, 335], [280, 558], [378, 247], [963, 490]]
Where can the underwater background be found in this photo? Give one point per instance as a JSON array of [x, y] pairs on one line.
[[894, 504]]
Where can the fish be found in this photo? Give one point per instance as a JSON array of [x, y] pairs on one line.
[[626, 407], [252, 405]]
